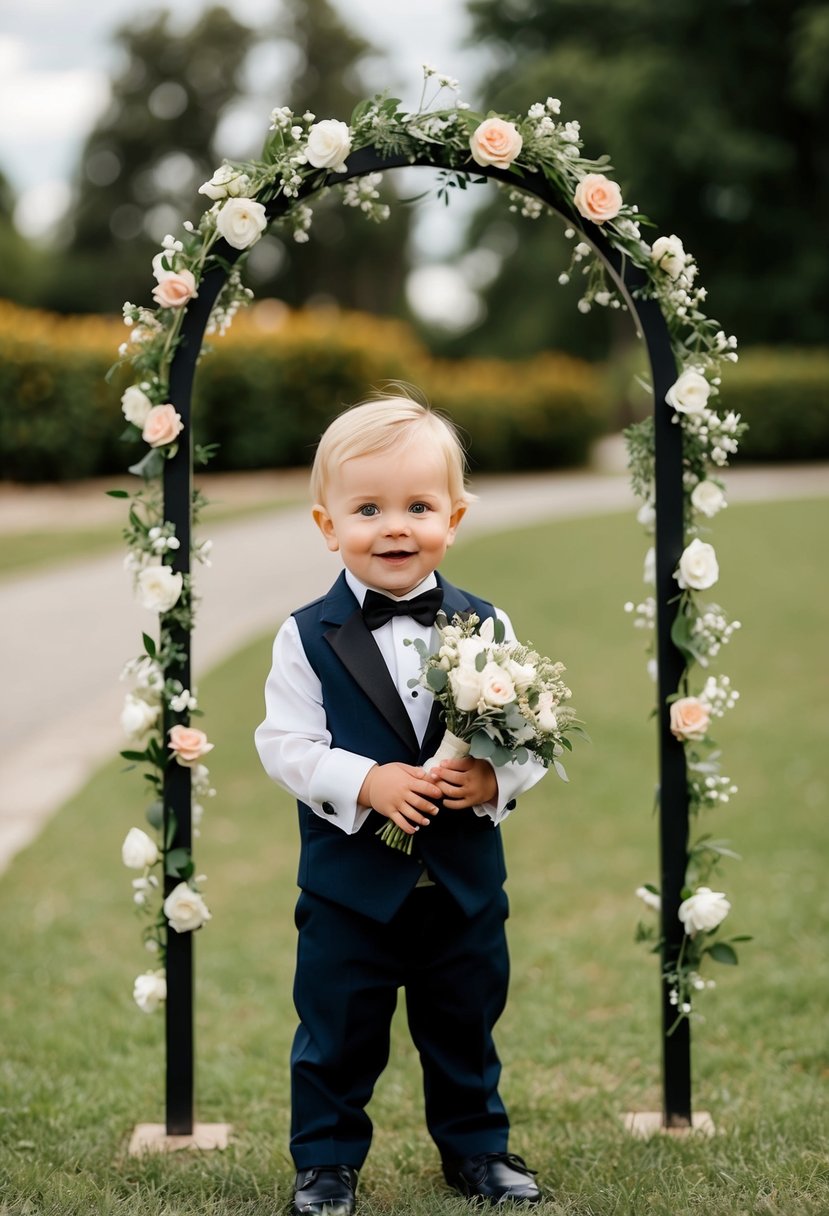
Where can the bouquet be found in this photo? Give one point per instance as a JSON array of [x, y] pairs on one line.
[[501, 701]]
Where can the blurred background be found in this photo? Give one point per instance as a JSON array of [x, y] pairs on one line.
[[114, 115]]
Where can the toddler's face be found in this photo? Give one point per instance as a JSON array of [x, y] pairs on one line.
[[390, 516]]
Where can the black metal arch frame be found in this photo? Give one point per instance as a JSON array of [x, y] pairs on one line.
[[673, 794]]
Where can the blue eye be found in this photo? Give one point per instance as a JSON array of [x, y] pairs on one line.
[[419, 508], [368, 509]]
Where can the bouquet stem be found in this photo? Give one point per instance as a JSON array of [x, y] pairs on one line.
[[451, 748]]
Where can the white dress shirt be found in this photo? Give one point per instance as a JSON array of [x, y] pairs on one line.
[[294, 743]]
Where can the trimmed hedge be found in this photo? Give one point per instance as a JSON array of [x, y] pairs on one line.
[[267, 390], [783, 395]]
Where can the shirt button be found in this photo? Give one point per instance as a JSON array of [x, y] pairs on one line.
[[509, 807], [328, 808]]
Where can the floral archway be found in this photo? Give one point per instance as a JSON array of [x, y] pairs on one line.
[[676, 458]]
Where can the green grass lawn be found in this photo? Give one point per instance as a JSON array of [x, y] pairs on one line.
[[579, 1041]]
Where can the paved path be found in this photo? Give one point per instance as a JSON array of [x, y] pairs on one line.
[[67, 630]]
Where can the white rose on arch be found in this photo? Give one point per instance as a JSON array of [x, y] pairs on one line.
[[227, 182], [241, 222], [135, 405], [138, 717], [329, 143], [708, 498], [668, 253], [703, 911], [185, 909], [138, 850], [689, 394], [698, 568], [150, 991], [159, 588]]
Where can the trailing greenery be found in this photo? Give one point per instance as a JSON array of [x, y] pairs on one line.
[[579, 1039], [270, 387]]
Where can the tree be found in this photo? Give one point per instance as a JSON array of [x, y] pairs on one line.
[[142, 164], [713, 117], [346, 260]]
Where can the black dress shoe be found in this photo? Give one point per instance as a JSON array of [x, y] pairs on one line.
[[493, 1178], [325, 1190]]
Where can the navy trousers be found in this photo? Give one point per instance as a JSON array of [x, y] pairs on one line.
[[454, 970]]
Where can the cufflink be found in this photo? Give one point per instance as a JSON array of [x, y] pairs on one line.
[[329, 810], [509, 807]]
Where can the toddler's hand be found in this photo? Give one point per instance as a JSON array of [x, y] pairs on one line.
[[401, 792], [465, 782]]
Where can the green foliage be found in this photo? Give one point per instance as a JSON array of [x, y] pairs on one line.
[[783, 395], [725, 172], [266, 394]]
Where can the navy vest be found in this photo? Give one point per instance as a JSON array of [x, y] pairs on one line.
[[365, 714]]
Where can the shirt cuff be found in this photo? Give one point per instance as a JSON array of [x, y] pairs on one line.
[[513, 779], [335, 786]]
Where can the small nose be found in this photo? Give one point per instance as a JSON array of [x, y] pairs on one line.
[[397, 523]]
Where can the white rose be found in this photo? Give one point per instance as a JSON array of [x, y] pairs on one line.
[[137, 717], [708, 498], [703, 910], [468, 650], [690, 393], [466, 686], [329, 143], [698, 567], [135, 405], [150, 991], [669, 254], [227, 181], [158, 588], [545, 713], [185, 909], [649, 898], [497, 688], [138, 850], [649, 568], [646, 515], [241, 222], [521, 674]]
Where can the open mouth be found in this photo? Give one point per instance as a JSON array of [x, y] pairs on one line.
[[395, 555]]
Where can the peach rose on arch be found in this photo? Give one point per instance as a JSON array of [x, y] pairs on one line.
[[162, 425], [597, 198], [495, 142], [175, 288], [690, 719], [188, 744]]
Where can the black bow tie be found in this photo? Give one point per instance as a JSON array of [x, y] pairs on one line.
[[378, 609]]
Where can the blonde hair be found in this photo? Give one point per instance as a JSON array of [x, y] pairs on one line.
[[386, 422]]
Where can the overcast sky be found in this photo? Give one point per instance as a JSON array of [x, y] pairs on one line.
[[56, 59]]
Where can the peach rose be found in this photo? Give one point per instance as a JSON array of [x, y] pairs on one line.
[[597, 198], [689, 719], [175, 289], [495, 142], [188, 745], [163, 424]]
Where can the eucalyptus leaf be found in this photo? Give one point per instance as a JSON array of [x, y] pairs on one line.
[[176, 862], [721, 952], [437, 679], [482, 747], [499, 631], [560, 769], [480, 661], [155, 814]]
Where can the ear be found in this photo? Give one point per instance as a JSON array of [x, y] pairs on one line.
[[326, 525], [454, 519]]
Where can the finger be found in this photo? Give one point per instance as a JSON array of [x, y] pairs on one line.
[[402, 822], [413, 815], [457, 804], [429, 789], [462, 765]]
